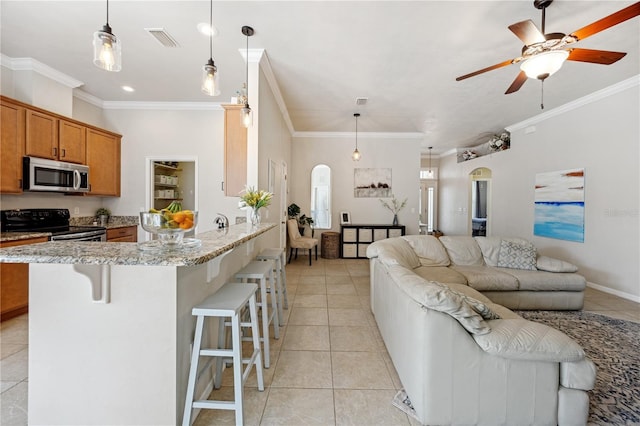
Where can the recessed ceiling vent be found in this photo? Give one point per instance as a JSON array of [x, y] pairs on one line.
[[361, 101], [162, 37]]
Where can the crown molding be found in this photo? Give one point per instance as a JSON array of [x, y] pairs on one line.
[[172, 106], [590, 98], [87, 97], [30, 64], [363, 135]]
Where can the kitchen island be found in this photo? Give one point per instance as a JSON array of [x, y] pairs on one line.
[[110, 325]]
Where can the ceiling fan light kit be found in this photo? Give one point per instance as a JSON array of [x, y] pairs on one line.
[[210, 82], [107, 50], [543, 54], [544, 64]]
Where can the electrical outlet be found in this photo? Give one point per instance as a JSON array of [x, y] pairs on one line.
[[76, 210]]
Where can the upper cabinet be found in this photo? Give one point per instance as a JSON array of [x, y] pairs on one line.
[[235, 151], [48, 136], [30, 131], [103, 159], [12, 147]]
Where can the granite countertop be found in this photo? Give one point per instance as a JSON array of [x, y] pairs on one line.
[[214, 243], [114, 222]]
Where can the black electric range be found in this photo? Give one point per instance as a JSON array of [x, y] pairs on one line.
[[55, 221]]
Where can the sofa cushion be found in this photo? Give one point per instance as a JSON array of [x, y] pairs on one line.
[[462, 250], [517, 255], [438, 297], [546, 281], [578, 375], [486, 278], [500, 310], [441, 274], [394, 251], [528, 340], [429, 250], [545, 263], [490, 247]]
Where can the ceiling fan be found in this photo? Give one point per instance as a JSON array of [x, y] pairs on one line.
[[543, 54]]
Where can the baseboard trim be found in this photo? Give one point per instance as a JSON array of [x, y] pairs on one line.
[[618, 293]]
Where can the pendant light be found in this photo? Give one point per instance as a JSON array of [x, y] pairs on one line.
[[246, 115], [210, 84], [356, 154], [107, 48]]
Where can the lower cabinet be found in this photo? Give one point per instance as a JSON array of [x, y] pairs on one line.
[[354, 239], [14, 283], [128, 234]]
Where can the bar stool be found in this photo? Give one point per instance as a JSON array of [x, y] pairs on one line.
[[261, 271], [278, 255], [226, 302]]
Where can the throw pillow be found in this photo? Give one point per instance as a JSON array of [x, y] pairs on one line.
[[550, 264], [517, 255]]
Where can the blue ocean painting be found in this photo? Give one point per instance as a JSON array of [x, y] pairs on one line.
[[564, 221], [559, 205]]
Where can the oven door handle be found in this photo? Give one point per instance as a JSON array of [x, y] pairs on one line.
[[76, 179]]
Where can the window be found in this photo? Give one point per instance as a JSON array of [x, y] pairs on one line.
[[321, 196]]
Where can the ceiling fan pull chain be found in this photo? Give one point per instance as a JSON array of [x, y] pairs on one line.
[[541, 94]]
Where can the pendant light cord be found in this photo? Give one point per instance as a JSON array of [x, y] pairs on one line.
[[247, 70], [211, 29], [107, 13], [357, 132]]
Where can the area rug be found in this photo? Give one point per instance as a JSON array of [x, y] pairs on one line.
[[613, 345]]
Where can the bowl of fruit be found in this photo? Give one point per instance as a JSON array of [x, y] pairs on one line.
[[169, 224]]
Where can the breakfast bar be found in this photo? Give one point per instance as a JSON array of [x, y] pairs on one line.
[[110, 325]]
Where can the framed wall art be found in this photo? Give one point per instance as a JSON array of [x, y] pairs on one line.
[[372, 183], [559, 205]]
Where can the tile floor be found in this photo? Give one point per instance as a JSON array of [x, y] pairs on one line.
[[329, 367]]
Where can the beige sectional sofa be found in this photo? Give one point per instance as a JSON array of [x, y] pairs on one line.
[[464, 359], [517, 279]]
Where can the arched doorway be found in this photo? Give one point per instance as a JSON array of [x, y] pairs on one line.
[[480, 202]]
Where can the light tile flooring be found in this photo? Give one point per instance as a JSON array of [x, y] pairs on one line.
[[329, 367]]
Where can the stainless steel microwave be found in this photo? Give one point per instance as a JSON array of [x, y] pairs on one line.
[[39, 174]]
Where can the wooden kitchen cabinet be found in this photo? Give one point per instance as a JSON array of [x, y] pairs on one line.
[[72, 139], [11, 147], [235, 151], [48, 136], [103, 159], [41, 135], [14, 285], [127, 234]]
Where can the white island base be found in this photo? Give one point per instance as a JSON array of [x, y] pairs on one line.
[[123, 360]]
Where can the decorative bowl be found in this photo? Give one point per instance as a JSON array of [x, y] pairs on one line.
[[169, 227]]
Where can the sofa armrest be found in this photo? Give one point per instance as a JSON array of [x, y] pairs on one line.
[[578, 375], [527, 340]]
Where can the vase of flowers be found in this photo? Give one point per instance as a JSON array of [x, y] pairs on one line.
[[394, 206], [254, 200]]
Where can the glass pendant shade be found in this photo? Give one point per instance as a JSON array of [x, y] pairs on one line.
[[210, 84], [544, 64], [107, 50], [356, 155], [246, 116]]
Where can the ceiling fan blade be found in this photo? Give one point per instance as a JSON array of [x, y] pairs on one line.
[[492, 67], [517, 83], [608, 21], [527, 32], [605, 57]]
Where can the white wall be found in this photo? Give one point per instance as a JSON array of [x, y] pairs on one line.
[[163, 133], [274, 144], [602, 137], [401, 155]]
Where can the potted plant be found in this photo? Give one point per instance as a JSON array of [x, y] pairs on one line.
[[103, 214], [293, 211]]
